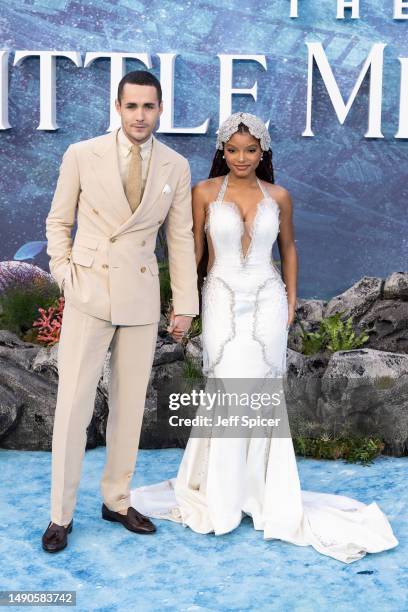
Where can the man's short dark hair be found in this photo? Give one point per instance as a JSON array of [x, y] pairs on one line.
[[140, 77]]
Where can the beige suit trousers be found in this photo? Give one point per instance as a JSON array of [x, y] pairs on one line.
[[84, 342]]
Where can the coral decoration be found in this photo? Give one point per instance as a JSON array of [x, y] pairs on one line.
[[49, 323]]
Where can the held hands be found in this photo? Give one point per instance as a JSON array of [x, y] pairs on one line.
[[178, 326]]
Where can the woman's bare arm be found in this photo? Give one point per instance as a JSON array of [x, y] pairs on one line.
[[199, 199], [287, 248]]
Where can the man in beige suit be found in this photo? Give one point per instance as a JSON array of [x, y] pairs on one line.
[[121, 187]]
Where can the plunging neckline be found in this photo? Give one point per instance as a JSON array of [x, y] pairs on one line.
[[223, 190], [220, 200]]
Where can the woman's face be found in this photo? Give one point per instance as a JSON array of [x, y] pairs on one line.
[[242, 154]]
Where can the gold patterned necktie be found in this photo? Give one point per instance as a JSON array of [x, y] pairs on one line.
[[134, 181]]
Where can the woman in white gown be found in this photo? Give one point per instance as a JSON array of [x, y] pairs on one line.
[[246, 312]]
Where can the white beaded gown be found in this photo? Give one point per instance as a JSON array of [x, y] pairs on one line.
[[244, 334]]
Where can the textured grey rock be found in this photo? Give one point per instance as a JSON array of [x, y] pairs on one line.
[[45, 362], [303, 389], [10, 340], [310, 310], [34, 399], [156, 430], [367, 391], [194, 349], [310, 313], [162, 329], [357, 299], [167, 351], [387, 325], [11, 408], [359, 392], [31, 373], [25, 354], [396, 286], [364, 390]]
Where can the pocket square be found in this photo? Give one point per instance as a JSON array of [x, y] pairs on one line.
[[166, 189]]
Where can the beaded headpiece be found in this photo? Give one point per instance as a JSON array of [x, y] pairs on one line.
[[255, 126]]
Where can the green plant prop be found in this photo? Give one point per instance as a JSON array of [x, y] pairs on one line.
[[191, 370], [352, 449], [19, 304], [333, 335], [195, 328]]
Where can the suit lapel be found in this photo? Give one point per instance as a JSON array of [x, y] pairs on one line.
[[106, 167]]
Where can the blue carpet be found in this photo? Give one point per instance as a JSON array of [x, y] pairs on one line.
[[177, 569]]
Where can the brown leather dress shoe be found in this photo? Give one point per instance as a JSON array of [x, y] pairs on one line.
[[55, 537], [133, 520]]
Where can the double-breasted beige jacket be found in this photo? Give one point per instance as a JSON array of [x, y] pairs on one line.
[[109, 270]]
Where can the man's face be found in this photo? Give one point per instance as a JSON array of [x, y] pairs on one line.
[[139, 110]]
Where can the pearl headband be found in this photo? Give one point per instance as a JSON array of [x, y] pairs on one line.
[[255, 126]]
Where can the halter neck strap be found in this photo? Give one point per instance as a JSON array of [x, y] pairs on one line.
[[223, 189], [263, 189]]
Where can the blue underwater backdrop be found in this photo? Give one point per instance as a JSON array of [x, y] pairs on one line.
[[349, 192]]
